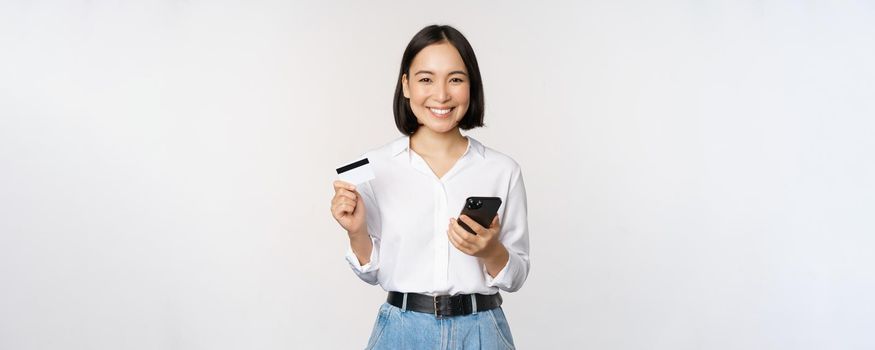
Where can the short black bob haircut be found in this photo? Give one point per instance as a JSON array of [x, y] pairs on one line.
[[405, 120]]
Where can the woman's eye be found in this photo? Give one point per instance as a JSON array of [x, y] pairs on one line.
[[425, 80], [457, 80]]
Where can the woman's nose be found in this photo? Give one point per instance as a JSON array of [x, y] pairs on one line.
[[442, 94]]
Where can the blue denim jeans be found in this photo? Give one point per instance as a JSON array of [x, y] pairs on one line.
[[396, 329]]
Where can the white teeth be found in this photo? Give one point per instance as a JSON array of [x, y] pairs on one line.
[[440, 111]]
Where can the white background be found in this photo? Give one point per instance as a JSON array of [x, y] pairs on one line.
[[700, 173]]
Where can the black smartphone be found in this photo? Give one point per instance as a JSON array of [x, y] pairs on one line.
[[481, 209]]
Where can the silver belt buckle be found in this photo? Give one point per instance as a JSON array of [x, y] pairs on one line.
[[437, 308], [435, 299]]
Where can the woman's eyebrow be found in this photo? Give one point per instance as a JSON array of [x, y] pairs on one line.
[[432, 73]]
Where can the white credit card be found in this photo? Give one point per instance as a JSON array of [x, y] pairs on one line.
[[356, 172]]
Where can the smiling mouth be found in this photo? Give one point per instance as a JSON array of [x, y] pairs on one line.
[[441, 112]]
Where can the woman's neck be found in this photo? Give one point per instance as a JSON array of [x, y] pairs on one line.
[[428, 143]]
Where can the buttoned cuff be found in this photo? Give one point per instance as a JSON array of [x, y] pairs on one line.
[[504, 279], [354, 260]]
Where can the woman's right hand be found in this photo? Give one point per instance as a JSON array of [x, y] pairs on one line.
[[348, 208]]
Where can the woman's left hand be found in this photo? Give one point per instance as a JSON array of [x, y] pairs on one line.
[[484, 244]]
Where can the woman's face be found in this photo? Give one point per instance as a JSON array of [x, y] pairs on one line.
[[438, 87]]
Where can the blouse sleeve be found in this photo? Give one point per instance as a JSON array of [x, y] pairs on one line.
[[515, 237], [368, 272]]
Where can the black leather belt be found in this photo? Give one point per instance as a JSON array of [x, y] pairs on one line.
[[445, 305]]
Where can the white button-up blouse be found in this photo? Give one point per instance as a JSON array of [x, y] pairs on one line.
[[408, 209]]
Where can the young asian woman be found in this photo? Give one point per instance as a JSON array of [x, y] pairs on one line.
[[443, 281]]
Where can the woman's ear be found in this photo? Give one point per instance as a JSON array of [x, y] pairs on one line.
[[404, 87]]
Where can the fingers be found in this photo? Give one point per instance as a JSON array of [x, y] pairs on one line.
[[460, 245], [342, 194], [345, 199], [461, 232], [344, 191], [342, 209], [477, 228], [342, 204], [343, 184], [461, 239], [495, 222]]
